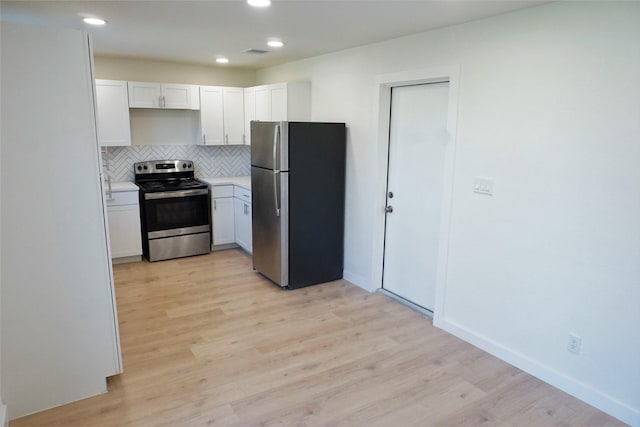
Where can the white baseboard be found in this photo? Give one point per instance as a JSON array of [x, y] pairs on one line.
[[356, 280], [557, 379]]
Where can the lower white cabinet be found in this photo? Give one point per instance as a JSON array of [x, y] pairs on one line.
[[231, 217], [222, 215], [243, 224], [123, 215]]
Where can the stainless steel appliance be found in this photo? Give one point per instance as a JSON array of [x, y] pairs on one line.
[[174, 210], [297, 186]]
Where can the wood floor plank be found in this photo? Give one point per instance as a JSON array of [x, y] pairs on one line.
[[208, 342]]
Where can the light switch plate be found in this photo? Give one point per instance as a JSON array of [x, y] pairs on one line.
[[483, 185]]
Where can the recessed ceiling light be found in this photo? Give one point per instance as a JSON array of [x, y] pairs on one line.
[[222, 60], [259, 3], [95, 21], [275, 43]]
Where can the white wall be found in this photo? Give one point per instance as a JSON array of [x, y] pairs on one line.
[[549, 106], [58, 322], [117, 68]]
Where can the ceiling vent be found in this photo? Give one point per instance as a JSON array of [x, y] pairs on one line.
[[254, 51]]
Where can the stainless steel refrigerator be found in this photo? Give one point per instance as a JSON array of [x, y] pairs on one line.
[[297, 186]]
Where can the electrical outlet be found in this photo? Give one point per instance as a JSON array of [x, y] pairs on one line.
[[574, 343]]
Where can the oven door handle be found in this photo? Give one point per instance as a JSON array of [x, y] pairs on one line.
[[174, 194]]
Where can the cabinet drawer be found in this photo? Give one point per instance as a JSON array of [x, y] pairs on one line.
[[221, 191], [242, 193], [122, 198]]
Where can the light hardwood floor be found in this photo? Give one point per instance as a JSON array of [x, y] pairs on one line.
[[206, 341]]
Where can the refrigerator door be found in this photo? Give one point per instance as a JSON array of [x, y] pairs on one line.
[[269, 148], [270, 212]]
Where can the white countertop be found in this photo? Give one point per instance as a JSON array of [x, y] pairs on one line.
[[240, 181], [120, 186]]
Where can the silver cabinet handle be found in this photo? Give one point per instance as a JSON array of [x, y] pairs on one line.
[[164, 102], [215, 207], [389, 209], [244, 140], [226, 139], [204, 138]]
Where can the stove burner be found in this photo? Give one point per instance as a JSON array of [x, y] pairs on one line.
[[166, 175]]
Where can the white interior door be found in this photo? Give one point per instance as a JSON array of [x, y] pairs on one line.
[[417, 142]]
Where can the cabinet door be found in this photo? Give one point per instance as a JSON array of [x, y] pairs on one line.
[[179, 96], [124, 231], [211, 117], [243, 224], [223, 221], [249, 112], [144, 95], [233, 113], [249, 229], [278, 97], [262, 103], [112, 104]]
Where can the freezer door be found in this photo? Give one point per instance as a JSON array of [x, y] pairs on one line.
[[269, 145], [270, 211]]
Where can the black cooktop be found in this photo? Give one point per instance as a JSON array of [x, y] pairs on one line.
[[154, 186]]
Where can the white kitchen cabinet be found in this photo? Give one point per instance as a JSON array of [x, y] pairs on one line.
[[163, 95], [123, 215], [179, 96], [243, 224], [262, 103], [233, 114], [112, 111], [277, 102], [222, 115], [222, 215], [211, 116]]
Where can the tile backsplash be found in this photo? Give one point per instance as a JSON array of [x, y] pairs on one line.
[[209, 161]]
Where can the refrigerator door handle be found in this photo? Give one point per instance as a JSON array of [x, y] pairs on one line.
[[276, 190], [276, 172], [276, 134]]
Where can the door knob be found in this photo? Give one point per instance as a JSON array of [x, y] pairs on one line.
[[388, 209], [390, 195]]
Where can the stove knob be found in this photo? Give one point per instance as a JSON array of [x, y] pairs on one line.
[[145, 167], [139, 167], [190, 165], [184, 166]]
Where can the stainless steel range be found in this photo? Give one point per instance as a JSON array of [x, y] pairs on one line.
[[174, 210]]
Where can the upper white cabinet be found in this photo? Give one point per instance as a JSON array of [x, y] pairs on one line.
[[211, 117], [222, 115], [277, 102], [180, 96], [112, 110], [163, 95], [233, 114], [263, 103]]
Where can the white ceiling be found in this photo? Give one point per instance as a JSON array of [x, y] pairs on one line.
[[198, 31]]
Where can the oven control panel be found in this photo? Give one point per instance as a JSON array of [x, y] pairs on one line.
[[163, 166]]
